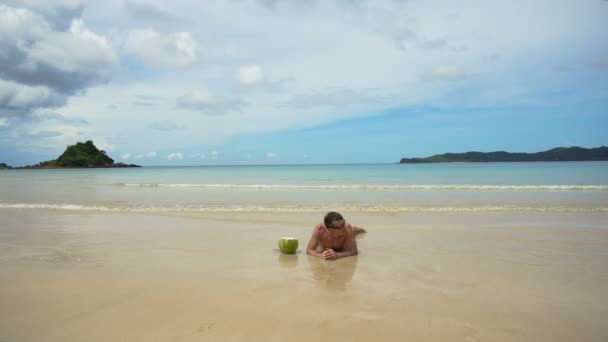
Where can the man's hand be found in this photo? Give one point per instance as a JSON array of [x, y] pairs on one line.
[[329, 254]]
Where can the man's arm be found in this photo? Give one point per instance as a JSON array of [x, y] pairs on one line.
[[314, 242], [358, 230]]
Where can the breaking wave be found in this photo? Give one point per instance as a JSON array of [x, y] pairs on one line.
[[295, 209], [374, 187]]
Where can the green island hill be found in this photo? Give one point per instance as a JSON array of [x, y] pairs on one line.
[[574, 153], [81, 155]]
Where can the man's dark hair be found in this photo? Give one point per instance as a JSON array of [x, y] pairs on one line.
[[331, 217]]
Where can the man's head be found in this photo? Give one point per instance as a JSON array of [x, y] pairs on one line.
[[334, 220]]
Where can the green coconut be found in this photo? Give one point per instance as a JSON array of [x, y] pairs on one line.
[[288, 245]]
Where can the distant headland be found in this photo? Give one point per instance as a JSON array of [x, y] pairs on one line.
[[81, 155], [574, 153]]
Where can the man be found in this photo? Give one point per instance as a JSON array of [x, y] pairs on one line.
[[335, 237]]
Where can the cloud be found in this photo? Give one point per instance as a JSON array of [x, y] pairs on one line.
[[270, 155], [104, 146], [253, 77], [250, 75], [4, 122], [207, 104], [147, 101], [175, 156], [17, 99], [198, 156], [125, 156], [41, 64], [146, 11], [58, 13], [49, 117], [448, 74], [215, 155], [297, 4], [334, 97], [146, 155], [166, 126], [170, 50], [45, 134], [36, 55]]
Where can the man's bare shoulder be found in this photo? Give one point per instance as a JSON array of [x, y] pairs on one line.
[[349, 226], [318, 228]]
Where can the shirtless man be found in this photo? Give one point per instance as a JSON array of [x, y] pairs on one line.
[[335, 237]]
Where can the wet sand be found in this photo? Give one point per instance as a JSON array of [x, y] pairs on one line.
[[85, 276]]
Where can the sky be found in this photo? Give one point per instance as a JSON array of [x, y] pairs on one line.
[[300, 81]]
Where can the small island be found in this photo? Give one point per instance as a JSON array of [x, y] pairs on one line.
[[81, 155], [574, 153]]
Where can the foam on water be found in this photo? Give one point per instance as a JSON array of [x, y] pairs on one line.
[[295, 209], [376, 186]]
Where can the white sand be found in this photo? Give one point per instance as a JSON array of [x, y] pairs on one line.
[[441, 277]]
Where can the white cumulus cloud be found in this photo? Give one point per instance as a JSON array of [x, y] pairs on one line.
[[250, 75], [145, 155], [175, 156], [270, 154], [126, 156], [171, 50]]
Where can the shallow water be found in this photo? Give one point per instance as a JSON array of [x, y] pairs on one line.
[[469, 187]]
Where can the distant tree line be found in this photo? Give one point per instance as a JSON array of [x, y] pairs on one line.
[[557, 154]]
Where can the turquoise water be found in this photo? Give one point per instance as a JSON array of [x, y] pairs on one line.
[[556, 186]]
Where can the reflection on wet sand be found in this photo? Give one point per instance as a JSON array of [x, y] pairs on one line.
[[288, 260], [335, 275]]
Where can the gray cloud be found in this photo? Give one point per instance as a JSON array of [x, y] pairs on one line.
[[147, 101], [298, 4], [440, 44], [271, 86], [166, 126], [20, 66], [210, 105], [448, 74], [45, 134], [43, 64], [396, 26], [58, 118], [58, 13], [20, 100], [146, 11], [334, 97]]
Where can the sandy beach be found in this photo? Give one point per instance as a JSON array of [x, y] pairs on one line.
[[90, 276]]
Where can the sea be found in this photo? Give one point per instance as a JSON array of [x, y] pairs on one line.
[[369, 188]]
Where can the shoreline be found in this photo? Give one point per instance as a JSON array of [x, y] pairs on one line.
[[314, 164]]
